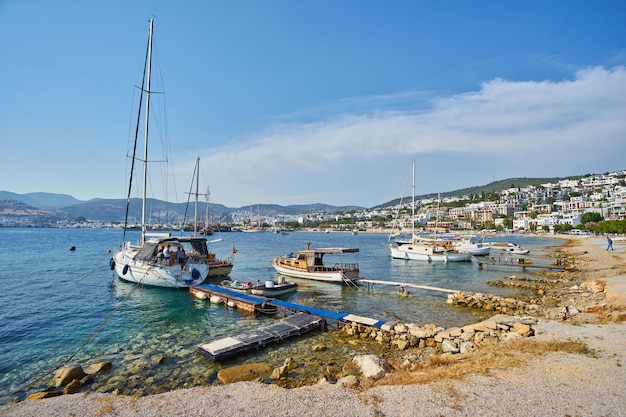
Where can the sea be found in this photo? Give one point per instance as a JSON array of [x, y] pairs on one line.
[[65, 307]]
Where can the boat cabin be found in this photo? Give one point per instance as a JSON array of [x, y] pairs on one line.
[[194, 248], [313, 259]]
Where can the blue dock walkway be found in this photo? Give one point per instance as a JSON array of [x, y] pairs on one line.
[[302, 320], [256, 300]]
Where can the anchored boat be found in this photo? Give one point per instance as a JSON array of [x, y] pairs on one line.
[[312, 264], [159, 259], [269, 288]]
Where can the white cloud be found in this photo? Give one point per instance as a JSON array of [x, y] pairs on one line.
[[562, 128]]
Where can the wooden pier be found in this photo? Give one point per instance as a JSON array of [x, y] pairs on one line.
[[228, 347], [408, 284], [524, 263]]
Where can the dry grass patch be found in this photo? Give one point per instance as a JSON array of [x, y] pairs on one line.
[[106, 406], [482, 361]]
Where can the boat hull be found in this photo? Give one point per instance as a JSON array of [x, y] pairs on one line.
[[399, 252], [276, 290], [148, 273], [338, 276], [267, 289], [217, 269]]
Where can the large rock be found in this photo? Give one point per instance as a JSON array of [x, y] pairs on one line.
[[370, 366], [66, 375], [245, 372], [280, 372], [73, 387], [523, 330], [95, 368], [44, 394]]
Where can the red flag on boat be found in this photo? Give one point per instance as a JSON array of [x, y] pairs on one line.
[[234, 250]]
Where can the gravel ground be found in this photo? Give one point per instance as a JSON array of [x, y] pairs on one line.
[[558, 384]]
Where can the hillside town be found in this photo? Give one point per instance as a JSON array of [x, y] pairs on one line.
[[564, 206], [542, 207]]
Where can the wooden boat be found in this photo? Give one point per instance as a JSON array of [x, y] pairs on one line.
[[269, 288], [145, 263], [310, 264], [219, 267]]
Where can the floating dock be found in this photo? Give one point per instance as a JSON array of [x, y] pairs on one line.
[[299, 319], [256, 303], [245, 303], [290, 326]]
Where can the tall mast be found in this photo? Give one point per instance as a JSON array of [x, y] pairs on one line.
[[195, 219], [145, 150], [413, 202]]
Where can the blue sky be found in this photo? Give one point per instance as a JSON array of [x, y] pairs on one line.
[[298, 102]]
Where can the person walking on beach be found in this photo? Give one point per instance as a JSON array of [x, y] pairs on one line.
[[610, 243], [565, 312]]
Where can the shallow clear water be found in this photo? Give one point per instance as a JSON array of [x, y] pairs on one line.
[[62, 306]]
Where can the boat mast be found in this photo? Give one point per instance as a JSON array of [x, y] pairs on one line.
[[195, 219], [413, 202], [145, 150]]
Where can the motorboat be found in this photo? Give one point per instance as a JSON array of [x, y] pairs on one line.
[[268, 288], [509, 247]]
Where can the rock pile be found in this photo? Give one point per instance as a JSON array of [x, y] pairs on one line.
[[453, 340], [490, 302], [70, 380]]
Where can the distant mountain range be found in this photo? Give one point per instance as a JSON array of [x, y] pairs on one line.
[[58, 207]]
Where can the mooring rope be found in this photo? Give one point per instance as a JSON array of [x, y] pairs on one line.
[[93, 334]]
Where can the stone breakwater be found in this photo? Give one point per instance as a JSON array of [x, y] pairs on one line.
[[490, 302], [452, 340], [396, 338]]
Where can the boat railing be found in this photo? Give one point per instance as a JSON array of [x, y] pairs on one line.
[[337, 267]]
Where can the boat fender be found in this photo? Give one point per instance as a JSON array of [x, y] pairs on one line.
[[112, 264], [125, 270], [195, 274]]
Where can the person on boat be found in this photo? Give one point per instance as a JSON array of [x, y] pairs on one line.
[[166, 253], [180, 255]]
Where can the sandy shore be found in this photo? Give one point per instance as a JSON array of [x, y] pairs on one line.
[[557, 384]]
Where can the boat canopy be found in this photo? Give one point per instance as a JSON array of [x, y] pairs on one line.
[[332, 250], [150, 249], [147, 251]]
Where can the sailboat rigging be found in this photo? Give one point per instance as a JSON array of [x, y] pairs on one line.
[[217, 267], [159, 259], [422, 249]]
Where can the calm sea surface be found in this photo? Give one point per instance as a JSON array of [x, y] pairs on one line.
[[59, 306]]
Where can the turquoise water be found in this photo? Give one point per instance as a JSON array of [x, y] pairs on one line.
[[61, 306]]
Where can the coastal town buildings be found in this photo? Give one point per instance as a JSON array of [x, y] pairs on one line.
[[536, 207]]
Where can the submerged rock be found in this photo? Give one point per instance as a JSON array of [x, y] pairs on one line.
[[245, 372]]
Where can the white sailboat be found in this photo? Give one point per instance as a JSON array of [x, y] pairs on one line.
[[159, 259], [419, 249], [217, 267]]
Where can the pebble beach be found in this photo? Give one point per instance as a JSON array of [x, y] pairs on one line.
[[556, 384]]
